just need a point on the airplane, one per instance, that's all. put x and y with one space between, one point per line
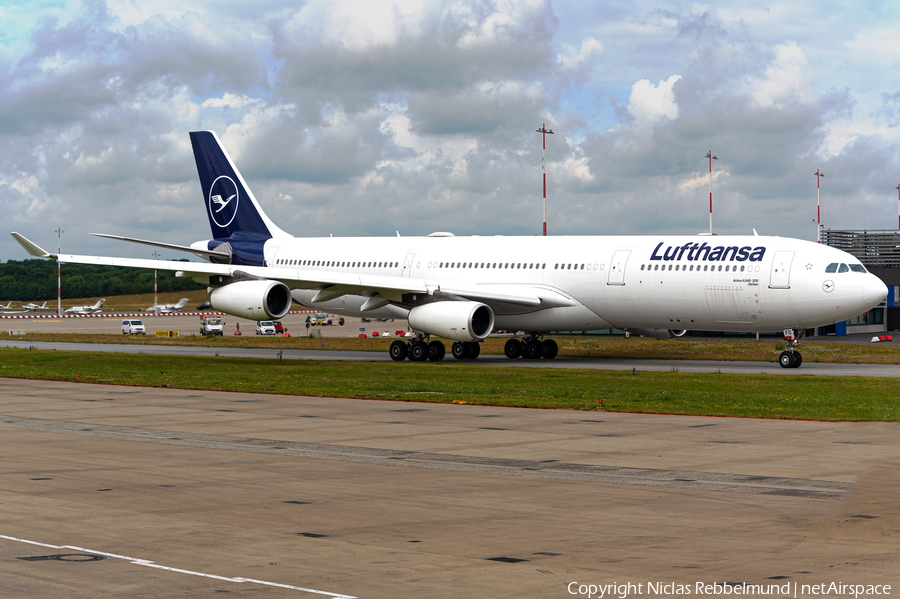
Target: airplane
6 310
167 308
86 309
465 288
31 307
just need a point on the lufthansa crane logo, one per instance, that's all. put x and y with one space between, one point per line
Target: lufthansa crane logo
223 201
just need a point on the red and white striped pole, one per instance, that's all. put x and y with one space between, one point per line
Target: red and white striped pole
59 233
819 176
156 256
544 131
711 158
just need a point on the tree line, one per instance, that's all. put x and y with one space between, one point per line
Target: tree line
35 280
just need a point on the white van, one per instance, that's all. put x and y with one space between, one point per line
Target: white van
133 327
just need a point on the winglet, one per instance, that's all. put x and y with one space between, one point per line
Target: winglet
32 248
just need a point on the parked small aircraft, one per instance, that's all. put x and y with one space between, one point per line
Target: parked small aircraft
167 308
30 307
86 309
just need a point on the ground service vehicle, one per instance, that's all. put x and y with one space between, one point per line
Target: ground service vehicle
323 318
133 327
279 328
211 325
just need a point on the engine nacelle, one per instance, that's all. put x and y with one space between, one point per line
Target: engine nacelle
255 300
460 321
658 333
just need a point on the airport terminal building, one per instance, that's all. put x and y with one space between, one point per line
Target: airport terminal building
879 252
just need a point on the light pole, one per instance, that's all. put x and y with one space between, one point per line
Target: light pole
819 176
711 158
59 233
898 210
156 256
544 131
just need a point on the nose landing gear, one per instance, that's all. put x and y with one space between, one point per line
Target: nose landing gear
790 357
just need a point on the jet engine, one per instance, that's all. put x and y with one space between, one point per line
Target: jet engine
658 333
460 321
255 300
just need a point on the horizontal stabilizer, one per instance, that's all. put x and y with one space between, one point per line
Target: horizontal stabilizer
169 246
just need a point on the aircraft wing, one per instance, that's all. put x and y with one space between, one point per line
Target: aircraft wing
333 284
295 279
329 284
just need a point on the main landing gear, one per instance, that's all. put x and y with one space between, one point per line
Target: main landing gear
418 350
531 347
790 357
465 350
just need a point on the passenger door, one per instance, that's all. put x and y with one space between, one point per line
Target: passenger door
780 277
407 264
617 267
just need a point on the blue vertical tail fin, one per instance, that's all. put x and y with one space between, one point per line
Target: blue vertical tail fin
232 210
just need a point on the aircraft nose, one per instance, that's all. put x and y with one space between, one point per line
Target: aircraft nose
874 290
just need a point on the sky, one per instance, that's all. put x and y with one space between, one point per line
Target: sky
352 118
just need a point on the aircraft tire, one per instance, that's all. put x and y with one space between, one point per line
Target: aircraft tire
436 351
513 349
398 351
551 349
460 350
474 350
418 351
532 350
798 360
786 359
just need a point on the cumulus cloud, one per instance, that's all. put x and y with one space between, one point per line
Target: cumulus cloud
572 58
362 119
651 104
785 81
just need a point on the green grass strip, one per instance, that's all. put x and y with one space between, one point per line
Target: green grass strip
750 396
571 347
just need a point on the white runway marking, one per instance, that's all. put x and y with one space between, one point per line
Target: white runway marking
149 564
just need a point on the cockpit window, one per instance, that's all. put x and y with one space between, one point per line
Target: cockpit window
844 268
857 268
831 267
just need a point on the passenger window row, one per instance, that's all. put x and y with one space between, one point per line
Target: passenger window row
839 268
706 267
526 265
336 264
575 267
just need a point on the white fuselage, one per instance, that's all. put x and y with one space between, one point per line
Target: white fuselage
733 283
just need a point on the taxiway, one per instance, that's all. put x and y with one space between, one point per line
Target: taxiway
130 492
